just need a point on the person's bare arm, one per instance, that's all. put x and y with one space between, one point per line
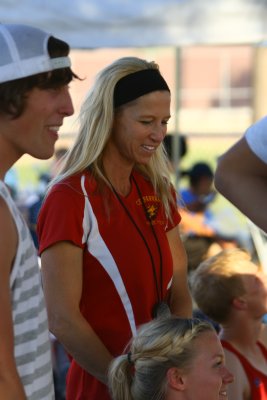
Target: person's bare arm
180 300
11 387
62 280
239 388
241 177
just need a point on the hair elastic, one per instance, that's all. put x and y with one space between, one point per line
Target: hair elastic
129 358
137 84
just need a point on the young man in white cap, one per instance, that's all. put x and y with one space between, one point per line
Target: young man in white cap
34 99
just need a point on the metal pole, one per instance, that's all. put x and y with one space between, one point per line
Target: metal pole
176 143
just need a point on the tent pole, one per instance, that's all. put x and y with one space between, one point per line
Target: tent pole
176 144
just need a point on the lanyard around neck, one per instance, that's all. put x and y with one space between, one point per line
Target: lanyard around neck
158 285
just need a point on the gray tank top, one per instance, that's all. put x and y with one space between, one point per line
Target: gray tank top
31 338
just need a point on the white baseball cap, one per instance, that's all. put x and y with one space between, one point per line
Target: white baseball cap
24 52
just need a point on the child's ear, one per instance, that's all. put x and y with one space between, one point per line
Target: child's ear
175 379
239 303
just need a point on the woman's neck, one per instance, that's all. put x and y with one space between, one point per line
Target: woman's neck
118 175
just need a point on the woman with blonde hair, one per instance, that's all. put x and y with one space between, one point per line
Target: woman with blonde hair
171 359
112 257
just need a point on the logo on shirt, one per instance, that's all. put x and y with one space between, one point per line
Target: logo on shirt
152 211
152 205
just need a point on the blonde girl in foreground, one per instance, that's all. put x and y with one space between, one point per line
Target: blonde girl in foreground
171 359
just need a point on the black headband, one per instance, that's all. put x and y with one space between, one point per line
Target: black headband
137 84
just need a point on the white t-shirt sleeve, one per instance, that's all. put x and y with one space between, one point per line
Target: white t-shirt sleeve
256 137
